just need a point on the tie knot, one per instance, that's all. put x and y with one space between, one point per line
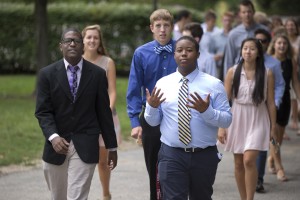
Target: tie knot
184 80
159 49
73 69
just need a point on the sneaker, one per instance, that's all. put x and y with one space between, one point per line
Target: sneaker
260 187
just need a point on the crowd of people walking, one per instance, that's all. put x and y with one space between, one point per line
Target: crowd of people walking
193 89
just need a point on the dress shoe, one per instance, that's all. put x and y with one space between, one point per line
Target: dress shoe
260 187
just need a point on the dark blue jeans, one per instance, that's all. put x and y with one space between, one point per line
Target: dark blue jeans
151 145
261 165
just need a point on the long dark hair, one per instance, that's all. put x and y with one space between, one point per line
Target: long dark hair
258 92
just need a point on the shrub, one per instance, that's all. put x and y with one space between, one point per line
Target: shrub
124 26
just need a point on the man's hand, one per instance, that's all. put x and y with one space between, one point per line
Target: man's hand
136 132
198 103
155 99
112 159
222 135
60 145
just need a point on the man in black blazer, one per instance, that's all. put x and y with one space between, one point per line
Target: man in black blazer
72 108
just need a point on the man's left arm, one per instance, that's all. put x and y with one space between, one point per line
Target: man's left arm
104 114
105 120
218 112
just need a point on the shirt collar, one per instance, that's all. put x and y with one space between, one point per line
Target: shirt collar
225 34
156 43
251 27
78 64
191 76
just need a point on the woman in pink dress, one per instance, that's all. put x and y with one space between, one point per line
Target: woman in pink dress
250 87
95 52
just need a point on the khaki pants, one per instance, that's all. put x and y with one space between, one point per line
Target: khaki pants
71 180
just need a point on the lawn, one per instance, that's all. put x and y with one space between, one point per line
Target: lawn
21 138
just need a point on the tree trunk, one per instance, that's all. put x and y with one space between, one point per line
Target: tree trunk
41 35
154 5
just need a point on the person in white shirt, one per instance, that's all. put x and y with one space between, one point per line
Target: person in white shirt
187 168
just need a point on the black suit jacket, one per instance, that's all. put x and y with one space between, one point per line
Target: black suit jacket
80 121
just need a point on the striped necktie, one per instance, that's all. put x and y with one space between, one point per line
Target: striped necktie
73 80
184 114
159 49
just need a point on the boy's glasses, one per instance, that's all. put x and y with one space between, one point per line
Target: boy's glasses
68 41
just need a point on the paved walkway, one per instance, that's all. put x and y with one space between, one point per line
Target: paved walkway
129 179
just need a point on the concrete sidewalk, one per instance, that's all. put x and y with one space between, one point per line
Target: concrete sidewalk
130 182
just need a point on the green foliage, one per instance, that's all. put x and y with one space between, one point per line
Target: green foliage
21 138
17 44
196 4
280 7
125 26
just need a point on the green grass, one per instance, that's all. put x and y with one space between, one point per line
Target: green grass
21 140
19 86
121 107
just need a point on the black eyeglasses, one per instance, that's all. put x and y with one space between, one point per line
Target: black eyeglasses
70 40
265 41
